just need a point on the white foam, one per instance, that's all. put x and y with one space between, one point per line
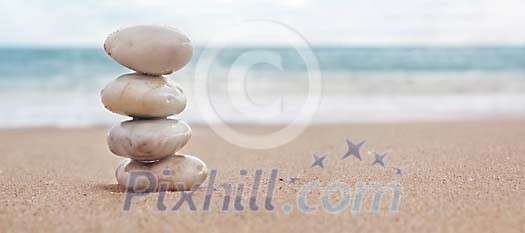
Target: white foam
347 97
79 109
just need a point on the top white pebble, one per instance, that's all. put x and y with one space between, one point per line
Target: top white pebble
148 49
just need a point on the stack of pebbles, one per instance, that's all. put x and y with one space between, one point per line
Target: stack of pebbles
150 140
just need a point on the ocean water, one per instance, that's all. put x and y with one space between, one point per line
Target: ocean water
59 87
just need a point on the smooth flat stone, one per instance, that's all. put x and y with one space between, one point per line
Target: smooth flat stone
150 49
148 140
172 170
139 95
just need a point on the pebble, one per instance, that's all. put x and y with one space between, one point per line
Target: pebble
149 49
138 95
148 140
172 170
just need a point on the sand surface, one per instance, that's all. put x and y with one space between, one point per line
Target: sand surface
457 177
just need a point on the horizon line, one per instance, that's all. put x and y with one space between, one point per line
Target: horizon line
328 46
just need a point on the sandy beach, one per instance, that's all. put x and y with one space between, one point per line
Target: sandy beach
456 177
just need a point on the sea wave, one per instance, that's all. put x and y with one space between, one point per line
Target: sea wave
60 87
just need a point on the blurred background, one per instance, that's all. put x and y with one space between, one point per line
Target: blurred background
382 61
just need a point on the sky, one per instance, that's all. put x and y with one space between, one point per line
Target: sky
324 23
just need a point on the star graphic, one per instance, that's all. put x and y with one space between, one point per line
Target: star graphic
292 180
353 149
398 171
318 160
379 158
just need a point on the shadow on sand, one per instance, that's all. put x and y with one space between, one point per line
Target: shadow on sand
114 188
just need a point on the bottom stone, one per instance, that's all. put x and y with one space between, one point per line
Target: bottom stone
174 173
